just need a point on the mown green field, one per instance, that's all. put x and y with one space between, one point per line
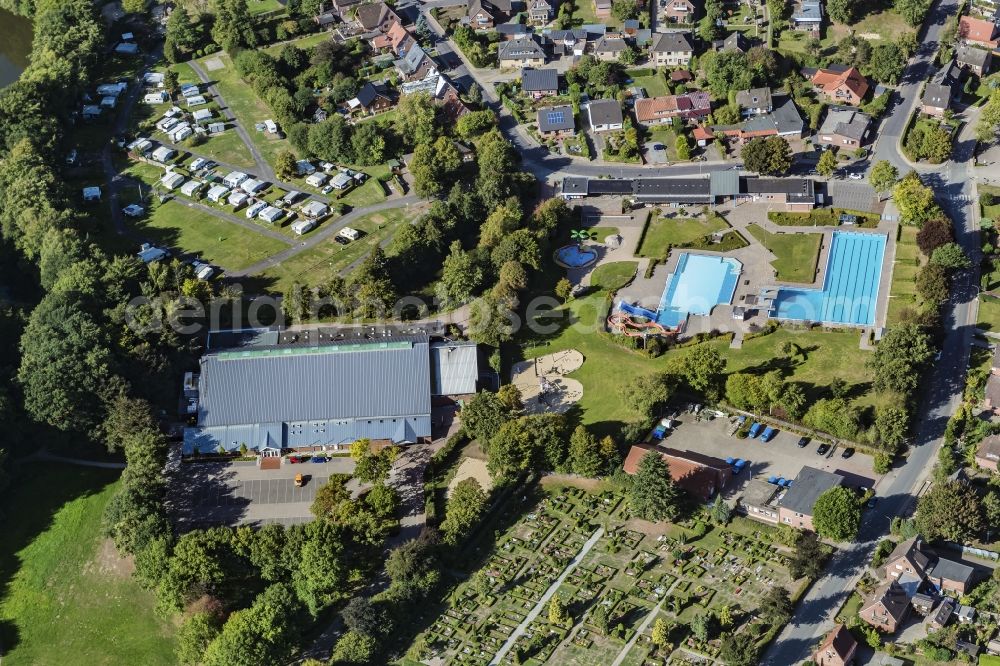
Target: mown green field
66 596
795 254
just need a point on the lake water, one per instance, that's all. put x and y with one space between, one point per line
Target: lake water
15 45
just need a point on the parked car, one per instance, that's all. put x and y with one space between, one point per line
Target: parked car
872 502
848 452
768 434
318 459
822 450
856 176
341 240
294 460
755 430
803 442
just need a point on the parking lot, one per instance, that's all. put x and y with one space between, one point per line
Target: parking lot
238 493
781 456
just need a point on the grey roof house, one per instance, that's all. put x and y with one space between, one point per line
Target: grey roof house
755 101
843 126
521 52
303 396
540 82
796 507
605 115
974 59
556 120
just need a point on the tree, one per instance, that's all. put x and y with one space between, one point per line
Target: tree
466 504
624 10
599 618
564 289
915 200
194 635
475 123
527 443
557 611
354 648
776 606
610 456
950 510
837 514
683 147
725 615
913 11
364 617
891 426
234 28
700 624
771 156
266 632
483 415
373 467
584 456
412 567
702 368
661 633
899 358
648 394
181 39
383 500
950 256
461 275
933 234
739 649
827 163
883 175
720 510
842 11
886 63
416 119
653 495
932 284
808 557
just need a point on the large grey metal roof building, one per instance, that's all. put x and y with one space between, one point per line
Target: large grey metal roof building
316 395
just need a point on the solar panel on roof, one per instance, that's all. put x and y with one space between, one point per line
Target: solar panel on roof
555 117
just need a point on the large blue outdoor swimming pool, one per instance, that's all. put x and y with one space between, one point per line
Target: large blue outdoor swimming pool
850 289
698 284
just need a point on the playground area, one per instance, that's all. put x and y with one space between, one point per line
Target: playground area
544 385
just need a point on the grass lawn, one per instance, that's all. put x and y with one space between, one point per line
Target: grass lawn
584 13
65 591
614 275
795 254
317 265
608 366
663 232
246 106
228 148
991 212
989 313
371 191
262 6
653 81
192 231
306 42
902 291
885 25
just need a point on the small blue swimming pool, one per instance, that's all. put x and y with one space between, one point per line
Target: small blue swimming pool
850 289
574 256
698 284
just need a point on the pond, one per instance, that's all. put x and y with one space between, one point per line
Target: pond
15 46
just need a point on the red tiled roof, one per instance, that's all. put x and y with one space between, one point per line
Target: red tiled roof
702 134
976 30
840 642
830 80
696 473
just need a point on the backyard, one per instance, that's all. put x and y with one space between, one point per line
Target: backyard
989 313
191 231
650 80
67 597
796 254
631 569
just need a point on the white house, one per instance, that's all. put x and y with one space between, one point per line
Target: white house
172 181
217 193
201 115
315 209
191 188
271 214
164 154
237 199
156 97
234 178
303 226
316 180
92 193
252 185
197 100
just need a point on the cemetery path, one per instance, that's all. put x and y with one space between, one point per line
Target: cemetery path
645 623
521 628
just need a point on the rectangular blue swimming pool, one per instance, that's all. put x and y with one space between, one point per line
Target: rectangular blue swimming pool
850 289
698 284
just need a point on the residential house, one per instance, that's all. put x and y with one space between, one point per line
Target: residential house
941 90
992 397
659 110
326 20
671 49
808 16
754 102
605 115
396 40
974 59
760 498
679 11
941 615
837 649
844 127
609 48
630 27
702 476
886 607
735 42
965 614
539 83
784 121
988 453
908 557
371 98
415 65
978 31
541 12
841 84
441 89
796 505
556 121
375 16
951 577
508 31
562 43
922 603
520 53
309 394
485 14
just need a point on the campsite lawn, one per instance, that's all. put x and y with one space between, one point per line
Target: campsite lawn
317 265
191 231
665 232
608 366
65 592
227 148
795 254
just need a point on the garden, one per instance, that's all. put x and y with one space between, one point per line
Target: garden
676 230
628 573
